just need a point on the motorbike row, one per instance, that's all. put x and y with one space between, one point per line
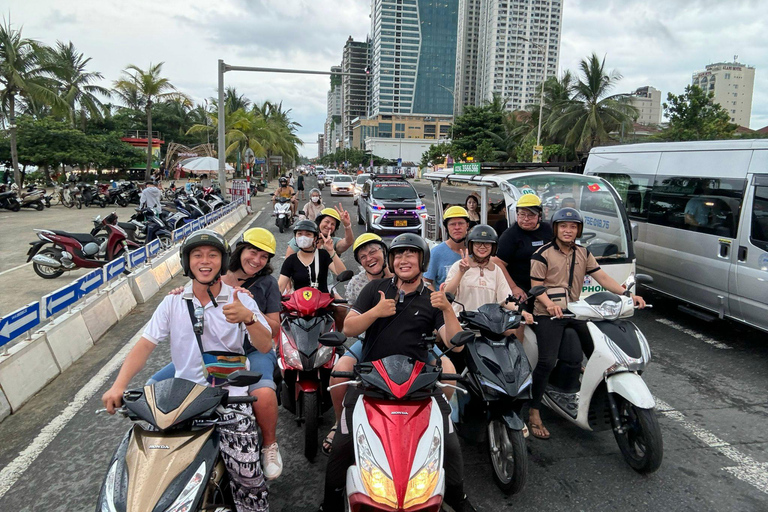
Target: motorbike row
59 251
396 425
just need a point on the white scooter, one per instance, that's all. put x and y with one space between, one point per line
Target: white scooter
612 392
282 213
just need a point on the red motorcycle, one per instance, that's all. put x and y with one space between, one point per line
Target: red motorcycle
70 251
305 364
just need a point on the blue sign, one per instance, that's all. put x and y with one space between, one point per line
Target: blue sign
178 234
196 225
153 247
208 218
61 298
187 229
115 268
259 161
23 319
399 162
90 281
137 257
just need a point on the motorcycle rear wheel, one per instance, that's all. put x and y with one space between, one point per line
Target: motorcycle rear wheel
122 202
311 415
15 207
509 459
39 206
44 271
640 443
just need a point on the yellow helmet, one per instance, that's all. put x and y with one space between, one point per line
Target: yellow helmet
328 212
367 238
261 239
531 201
455 212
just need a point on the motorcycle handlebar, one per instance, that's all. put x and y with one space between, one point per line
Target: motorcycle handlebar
343 375
241 399
450 376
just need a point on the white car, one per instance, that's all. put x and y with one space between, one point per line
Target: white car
342 185
329 175
359 182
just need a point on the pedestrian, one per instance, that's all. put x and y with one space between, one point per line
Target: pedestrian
300 185
315 205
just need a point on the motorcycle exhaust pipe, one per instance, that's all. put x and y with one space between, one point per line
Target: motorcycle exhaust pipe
47 261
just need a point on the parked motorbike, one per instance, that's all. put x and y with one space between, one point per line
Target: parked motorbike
282 213
9 201
398 431
90 195
305 364
136 230
498 377
31 199
70 251
113 195
170 459
213 196
612 393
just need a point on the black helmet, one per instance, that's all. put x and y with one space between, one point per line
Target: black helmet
410 241
200 238
483 233
283 181
306 225
568 215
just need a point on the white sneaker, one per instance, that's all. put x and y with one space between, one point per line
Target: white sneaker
271 461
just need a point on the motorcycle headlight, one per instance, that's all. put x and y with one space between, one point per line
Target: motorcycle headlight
627 363
423 483
188 494
323 355
290 353
108 500
609 309
377 483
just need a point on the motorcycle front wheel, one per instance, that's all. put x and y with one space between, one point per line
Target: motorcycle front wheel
122 202
281 225
15 207
509 459
39 206
79 203
44 271
311 415
640 439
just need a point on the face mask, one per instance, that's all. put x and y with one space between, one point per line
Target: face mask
315 199
304 242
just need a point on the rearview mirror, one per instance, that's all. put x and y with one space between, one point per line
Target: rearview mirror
451 297
301 212
333 339
537 290
462 338
643 278
344 276
242 378
422 196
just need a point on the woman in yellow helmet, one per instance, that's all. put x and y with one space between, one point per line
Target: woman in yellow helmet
328 221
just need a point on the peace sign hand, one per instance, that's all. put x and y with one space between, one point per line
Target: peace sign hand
464 263
327 242
344 215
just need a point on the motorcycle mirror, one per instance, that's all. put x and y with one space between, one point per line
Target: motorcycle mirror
242 378
462 338
643 279
537 290
451 297
301 212
271 193
333 339
344 276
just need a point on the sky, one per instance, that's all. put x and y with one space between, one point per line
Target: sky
657 43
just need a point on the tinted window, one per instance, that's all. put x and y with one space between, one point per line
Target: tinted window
393 190
634 192
759 233
706 205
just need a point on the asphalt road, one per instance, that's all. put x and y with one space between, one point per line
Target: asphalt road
710 380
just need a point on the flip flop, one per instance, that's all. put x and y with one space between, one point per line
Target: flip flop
328 441
539 431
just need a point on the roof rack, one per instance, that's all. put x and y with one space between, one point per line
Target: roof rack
387 176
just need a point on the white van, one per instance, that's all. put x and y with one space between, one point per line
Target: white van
700 219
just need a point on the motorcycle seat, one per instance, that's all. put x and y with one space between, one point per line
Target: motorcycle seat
127 226
5 195
83 238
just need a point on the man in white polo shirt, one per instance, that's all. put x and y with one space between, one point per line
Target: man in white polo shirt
226 317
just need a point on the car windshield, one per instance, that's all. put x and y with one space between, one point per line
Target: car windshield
331 172
394 190
345 179
362 178
604 233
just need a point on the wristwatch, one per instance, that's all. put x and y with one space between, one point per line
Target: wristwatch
253 321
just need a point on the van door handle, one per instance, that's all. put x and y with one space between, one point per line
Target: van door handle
725 249
742 253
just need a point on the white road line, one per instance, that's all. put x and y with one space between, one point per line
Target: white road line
13 471
691 332
748 469
15 268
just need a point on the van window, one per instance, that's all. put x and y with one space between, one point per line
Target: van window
634 192
707 205
759 233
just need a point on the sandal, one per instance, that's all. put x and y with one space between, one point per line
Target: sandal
539 431
328 441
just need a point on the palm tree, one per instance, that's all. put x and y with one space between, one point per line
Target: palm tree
22 76
75 84
149 86
586 119
235 101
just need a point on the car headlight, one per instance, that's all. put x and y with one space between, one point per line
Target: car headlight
290 353
108 501
188 494
377 483
423 483
609 309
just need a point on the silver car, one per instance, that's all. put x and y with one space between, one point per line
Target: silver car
342 185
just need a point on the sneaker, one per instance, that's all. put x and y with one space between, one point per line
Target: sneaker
271 461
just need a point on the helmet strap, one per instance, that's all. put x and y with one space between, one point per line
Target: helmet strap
459 241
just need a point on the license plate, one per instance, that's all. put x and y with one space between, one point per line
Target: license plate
401 223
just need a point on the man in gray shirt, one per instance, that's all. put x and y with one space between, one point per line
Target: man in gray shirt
150 197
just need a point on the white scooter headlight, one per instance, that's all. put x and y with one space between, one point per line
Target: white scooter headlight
609 309
188 494
108 501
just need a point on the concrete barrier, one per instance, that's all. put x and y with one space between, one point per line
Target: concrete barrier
5 407
99 315
143 284
121 297
174 264
27 368
68 338
161 273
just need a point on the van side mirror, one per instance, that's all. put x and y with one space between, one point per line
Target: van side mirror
462 338
643 279
635 231
422 196
333 339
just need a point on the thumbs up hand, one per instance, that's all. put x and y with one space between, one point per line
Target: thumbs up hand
236 312
385 308
439 300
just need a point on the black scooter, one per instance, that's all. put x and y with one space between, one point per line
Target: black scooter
498 377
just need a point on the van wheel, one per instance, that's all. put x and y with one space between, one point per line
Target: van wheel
359 218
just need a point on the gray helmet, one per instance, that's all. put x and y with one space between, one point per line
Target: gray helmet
204 237
306 225
482 233
568 215
410 241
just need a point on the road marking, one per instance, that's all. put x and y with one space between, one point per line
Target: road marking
15 268
13 471
747 469
691 332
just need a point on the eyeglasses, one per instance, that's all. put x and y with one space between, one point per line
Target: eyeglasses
527 215
368 254
199 315
482 244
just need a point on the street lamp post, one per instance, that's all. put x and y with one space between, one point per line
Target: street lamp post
545 51
453 110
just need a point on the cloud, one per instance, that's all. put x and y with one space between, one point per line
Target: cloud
56 17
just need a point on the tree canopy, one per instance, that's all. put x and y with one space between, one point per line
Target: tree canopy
693 115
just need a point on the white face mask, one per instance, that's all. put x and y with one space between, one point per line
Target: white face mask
315 199
304 242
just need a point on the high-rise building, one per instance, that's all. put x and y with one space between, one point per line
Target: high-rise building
514 38
413 56
320 145
332 128
733 84
647 101
354 89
